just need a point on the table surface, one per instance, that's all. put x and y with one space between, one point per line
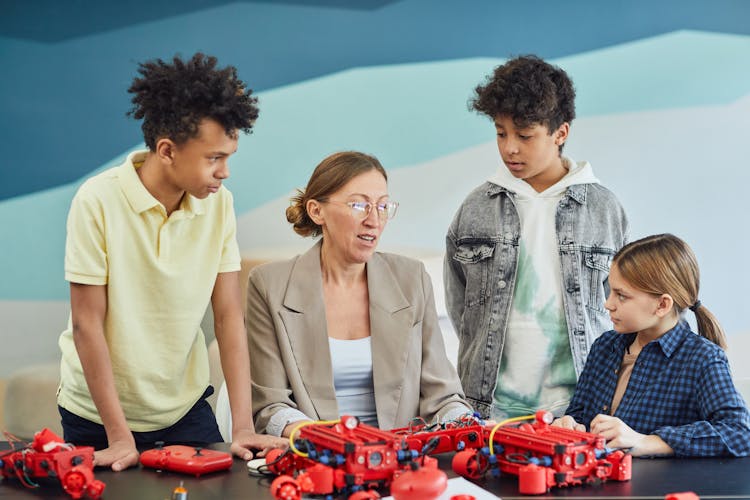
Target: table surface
713 478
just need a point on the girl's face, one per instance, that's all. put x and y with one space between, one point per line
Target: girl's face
632 310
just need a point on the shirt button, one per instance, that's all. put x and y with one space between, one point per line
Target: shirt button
604 408
501 284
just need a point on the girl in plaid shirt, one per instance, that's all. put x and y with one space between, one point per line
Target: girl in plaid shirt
652 385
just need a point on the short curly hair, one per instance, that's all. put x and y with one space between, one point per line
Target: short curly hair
173 98
528 90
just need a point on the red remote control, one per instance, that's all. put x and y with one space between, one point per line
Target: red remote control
186 459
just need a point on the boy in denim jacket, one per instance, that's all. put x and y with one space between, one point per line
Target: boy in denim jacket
528 252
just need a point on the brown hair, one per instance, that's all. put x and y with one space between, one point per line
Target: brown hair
664 264
329 176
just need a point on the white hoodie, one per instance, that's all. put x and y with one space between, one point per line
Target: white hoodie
536 370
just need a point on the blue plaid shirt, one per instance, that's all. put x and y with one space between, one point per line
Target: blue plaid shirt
680 389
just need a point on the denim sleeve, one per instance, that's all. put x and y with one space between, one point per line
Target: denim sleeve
454 283
724 429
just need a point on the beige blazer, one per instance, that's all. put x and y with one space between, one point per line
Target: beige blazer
291 361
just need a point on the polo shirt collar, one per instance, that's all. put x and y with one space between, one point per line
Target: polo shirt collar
139 197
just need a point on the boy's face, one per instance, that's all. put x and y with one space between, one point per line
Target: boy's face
531 153
199 165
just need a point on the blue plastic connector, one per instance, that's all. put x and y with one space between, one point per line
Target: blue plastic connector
544 461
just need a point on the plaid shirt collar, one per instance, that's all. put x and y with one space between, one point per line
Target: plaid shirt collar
669 342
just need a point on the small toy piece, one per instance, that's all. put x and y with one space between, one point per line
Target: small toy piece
180 493
49 456
186 459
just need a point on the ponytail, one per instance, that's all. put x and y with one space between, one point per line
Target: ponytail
708 325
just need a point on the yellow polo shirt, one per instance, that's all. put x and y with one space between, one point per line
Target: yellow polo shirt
160 272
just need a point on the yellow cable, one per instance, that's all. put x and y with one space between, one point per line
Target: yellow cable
301 425
505 422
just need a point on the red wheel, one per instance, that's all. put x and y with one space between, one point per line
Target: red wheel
469 463
286 488
75 480
74 483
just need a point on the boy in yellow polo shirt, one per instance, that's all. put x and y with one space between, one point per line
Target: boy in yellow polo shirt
149 244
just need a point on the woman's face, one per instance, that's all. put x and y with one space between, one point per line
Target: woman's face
351 221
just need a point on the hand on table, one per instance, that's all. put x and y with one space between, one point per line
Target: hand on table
245 440
120 455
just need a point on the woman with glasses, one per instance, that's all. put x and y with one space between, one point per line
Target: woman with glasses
343 329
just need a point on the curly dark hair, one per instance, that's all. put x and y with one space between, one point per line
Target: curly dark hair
172 99
529 90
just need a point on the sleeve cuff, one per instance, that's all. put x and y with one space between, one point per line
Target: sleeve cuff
282 418
455 413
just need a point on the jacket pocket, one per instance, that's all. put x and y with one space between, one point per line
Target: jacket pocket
595 268
475 258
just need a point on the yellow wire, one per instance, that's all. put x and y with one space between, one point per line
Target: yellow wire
297 428
505 422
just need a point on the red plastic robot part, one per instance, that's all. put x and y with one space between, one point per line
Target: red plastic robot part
286 488
470 464
364 495
79 481
421 484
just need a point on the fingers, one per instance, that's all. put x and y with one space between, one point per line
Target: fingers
241 451
117 460
602 423
245 444
568 422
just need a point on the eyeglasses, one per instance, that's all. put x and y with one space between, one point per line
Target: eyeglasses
361 209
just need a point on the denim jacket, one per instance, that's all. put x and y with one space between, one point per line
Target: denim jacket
481 260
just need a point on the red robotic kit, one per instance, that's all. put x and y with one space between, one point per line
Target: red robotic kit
345 457
543 456
186 459
49 456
